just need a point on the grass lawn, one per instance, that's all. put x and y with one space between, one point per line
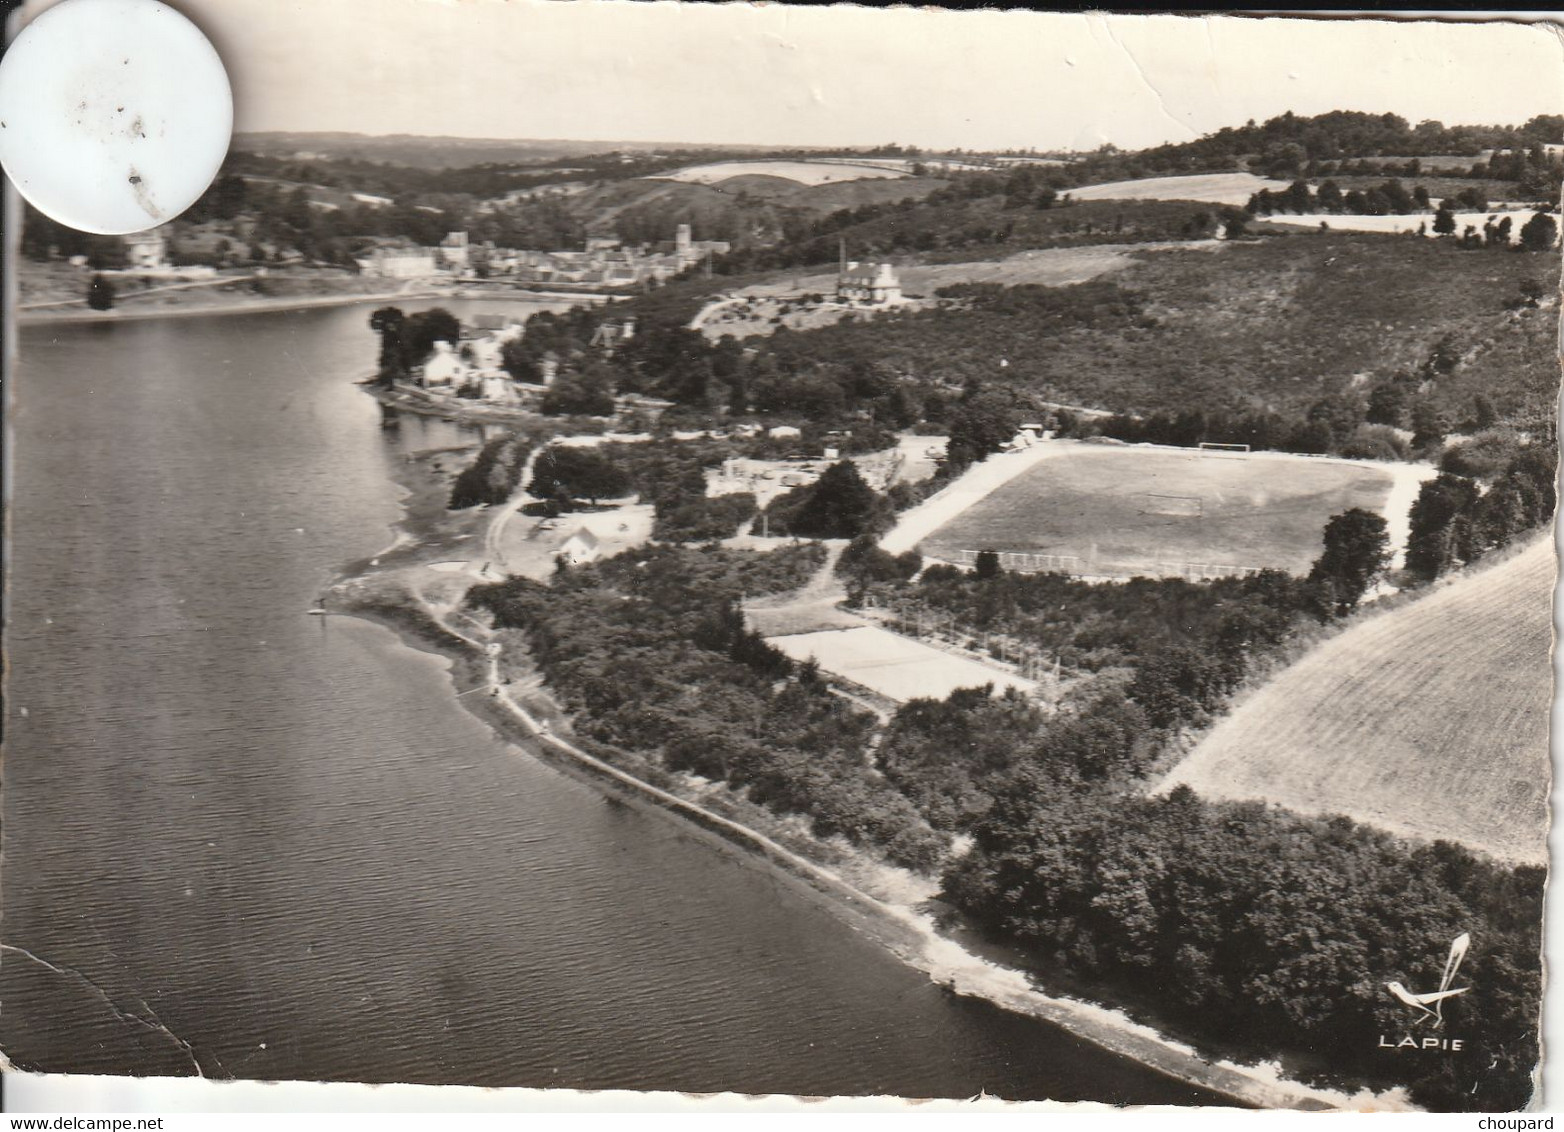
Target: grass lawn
1131 510
892 665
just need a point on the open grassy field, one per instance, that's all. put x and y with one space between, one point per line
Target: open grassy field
804 172
894 666
1208 188
1350 222
1430 720
1157 511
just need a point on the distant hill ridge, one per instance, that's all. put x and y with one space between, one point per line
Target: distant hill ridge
422 150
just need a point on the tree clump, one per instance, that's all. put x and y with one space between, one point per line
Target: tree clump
837 505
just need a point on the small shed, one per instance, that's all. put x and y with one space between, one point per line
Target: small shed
580 547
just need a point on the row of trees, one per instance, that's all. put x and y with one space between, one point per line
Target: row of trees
1390 198
1538 234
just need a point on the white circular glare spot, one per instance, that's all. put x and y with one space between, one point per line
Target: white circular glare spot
114 114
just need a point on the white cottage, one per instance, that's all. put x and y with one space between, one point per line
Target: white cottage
445 366
580 547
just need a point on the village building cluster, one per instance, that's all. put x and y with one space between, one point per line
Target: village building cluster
604 261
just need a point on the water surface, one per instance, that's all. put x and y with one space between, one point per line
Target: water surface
269 845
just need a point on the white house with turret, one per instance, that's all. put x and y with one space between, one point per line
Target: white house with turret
874 283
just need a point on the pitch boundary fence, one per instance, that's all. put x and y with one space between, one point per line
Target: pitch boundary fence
1025 562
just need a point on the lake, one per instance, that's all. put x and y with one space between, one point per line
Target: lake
260 844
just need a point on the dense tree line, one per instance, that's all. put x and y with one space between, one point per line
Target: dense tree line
1185 644
709 381
1538 233
975 217
1254 926
1473 508
1286 144
650 654
1390 198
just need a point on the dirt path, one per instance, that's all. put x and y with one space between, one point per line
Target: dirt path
815 606
712 308
493 536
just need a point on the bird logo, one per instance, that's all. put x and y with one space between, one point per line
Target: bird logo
1432 1004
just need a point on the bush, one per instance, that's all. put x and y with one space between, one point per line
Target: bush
704 519
1482 457
566 472
100 294
837 505
493 474
1374 442
864 563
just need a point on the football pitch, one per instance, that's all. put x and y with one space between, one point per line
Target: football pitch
1118 511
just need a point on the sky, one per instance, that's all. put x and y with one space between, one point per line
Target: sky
778 75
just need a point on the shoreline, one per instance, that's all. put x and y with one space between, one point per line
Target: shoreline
49 315
389 594
258 304
410 399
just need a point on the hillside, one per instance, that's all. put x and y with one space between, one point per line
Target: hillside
1176 330
427 152
950 225
736 210
1430 720
801 172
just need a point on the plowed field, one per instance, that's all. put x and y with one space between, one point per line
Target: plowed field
1429 721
